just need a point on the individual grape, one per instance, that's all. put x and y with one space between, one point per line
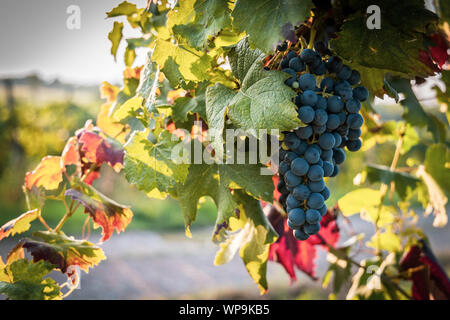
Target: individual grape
319 70
306 114
337 138
297 217
321 103
309 98
315 200
291 140
334 64
333 121
338 155
321 117
307 82
327 168
354 134
323 210
341 85
299 167
353 105
301 192
284 167
289 157
300 150
295 85
292 202
346 94
342 130
291 179
360 93
304 132
312 155
293 77
300 234
355 121
316 186
312 216
327 84
319 129
344 73
342 117
312 229
335 171
355 78
325 193
320 162
335 104
327 141
308 56
321 47
326 155
296 64
354 145
284 63
282 46
315 173
291 55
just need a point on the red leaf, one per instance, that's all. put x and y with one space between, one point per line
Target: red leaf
291 253
276 193
96 149
439 52
428 277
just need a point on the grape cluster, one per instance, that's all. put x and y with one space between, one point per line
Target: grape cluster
329 100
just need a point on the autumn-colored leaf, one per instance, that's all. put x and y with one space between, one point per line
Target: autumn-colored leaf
106 213
48 174
96 149
109 126
63 251
108 92
291 253
439 51
19 224
70 154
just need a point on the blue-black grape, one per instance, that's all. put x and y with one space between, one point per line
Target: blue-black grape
299 167
282 46
312 152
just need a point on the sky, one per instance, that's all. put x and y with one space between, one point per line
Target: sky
34 38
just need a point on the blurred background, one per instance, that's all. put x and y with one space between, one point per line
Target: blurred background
49 86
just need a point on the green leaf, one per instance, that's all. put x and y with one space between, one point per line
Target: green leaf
130 55
27 282
115 36
215 180
193 64
263 100
172 72
190 105
395 47
357 200
150 166
263 20
19 224
387 240
63 251
123 9
252 235
414 112
437 163
405 183
194 21
149 83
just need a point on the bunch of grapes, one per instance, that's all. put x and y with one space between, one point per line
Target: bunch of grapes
329 100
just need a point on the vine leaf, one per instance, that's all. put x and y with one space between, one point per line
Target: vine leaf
193 64
196 20
48 174
291 253
19 224
115 36
63 251
263 21
373 56
23 280
215 180
263 100
251 234
105 212
123 9
150 166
